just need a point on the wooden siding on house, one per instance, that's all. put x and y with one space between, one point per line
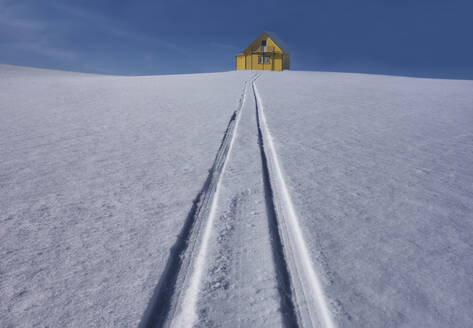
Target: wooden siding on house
278 59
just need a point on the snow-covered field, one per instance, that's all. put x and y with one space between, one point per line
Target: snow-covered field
235 199
381 171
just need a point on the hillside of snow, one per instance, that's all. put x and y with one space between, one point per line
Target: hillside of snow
381 171
235 199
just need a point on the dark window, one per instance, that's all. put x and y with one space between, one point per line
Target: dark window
263 59
263 43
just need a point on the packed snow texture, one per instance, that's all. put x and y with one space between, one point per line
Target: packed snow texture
381 173
98 174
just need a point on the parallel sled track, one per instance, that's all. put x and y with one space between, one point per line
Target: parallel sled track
306 290
302 302
163 305
281 267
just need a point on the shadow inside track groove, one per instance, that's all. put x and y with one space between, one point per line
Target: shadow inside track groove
282 272
156 313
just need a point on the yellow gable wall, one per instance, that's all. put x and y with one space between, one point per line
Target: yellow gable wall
256 45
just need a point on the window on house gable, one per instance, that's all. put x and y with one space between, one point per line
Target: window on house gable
263 43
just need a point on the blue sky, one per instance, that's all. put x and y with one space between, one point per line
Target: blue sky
406 37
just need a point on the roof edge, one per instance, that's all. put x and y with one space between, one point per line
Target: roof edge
278 41
273 36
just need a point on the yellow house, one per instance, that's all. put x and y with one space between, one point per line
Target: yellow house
267 52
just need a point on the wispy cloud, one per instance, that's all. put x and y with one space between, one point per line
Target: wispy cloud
224 46
14 24
46 29
117 29
21 31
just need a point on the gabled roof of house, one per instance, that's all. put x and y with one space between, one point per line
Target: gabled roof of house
278 41
273 37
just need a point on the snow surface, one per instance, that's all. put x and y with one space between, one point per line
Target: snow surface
98 174
381 173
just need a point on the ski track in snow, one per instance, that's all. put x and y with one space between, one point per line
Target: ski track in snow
188 314
293 239
163 304
302 300
184 311
280 262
